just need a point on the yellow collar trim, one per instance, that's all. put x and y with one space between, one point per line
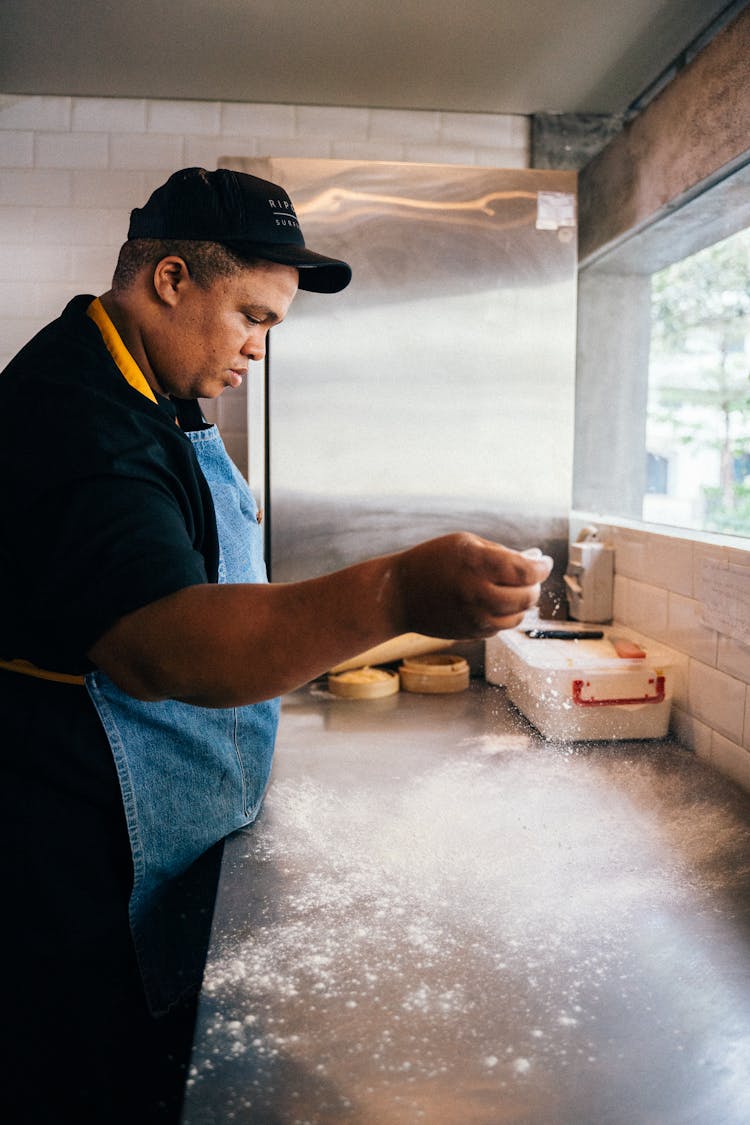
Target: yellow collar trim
26 668
120 354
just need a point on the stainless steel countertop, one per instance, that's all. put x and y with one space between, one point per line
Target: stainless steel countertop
441 918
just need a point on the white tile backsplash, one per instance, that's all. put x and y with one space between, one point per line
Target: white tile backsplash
15 331
647 609
46 298
112 115
701 553
717 700
16 297
630 554
330 121
446 154
71 150
501 158
405 126
239 119
17 149
138 150
686 630
733 658
93 267
16 226
691 732
108 188
292 146
183 117
620 597
29 186
486 130
210 152
36 263
366 150
731 759
19 111
81 226
669 563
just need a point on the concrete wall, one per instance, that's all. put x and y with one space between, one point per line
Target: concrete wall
613 338
696 126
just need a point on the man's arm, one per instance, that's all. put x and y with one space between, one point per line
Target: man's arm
227 645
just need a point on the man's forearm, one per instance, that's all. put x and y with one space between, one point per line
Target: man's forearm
227 645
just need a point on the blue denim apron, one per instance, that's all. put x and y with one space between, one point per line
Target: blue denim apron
189 775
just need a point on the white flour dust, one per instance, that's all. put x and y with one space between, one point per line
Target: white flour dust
508 881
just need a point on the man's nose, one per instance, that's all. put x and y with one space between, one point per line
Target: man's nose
255 345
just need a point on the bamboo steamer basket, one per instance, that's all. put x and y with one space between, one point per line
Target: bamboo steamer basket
434 673
363 683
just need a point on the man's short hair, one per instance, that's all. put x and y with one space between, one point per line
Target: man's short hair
206 261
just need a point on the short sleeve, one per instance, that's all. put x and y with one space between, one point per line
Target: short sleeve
106 548
105 511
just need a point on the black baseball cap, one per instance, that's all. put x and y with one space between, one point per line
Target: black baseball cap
252 217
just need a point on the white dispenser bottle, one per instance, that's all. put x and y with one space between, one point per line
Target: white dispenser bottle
589 578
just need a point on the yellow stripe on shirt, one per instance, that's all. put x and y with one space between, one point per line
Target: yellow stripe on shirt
120 354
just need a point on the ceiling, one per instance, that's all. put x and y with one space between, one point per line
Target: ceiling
497 56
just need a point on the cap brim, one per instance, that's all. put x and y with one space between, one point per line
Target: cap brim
317 273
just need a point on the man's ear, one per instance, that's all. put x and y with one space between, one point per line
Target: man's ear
171 276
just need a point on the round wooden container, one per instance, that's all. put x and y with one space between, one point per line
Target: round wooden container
363 683
435 672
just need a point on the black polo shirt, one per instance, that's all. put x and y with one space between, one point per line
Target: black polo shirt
104 509
104 506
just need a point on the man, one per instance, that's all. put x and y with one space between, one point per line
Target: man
144 652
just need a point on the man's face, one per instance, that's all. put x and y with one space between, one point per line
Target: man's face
207 337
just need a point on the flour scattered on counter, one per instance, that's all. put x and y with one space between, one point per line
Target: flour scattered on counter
405 927
490 745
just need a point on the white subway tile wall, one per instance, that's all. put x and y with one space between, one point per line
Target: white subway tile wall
686 631
730 759
659 592
717 699
72 168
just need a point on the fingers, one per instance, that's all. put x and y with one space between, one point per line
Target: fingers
516 568
505 606
515 588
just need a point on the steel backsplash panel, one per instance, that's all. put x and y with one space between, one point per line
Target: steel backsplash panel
436 392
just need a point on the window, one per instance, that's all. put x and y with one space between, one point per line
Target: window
663 373
698 419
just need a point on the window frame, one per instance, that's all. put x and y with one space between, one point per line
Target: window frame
613 340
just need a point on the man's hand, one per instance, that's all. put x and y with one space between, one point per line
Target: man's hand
464 587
